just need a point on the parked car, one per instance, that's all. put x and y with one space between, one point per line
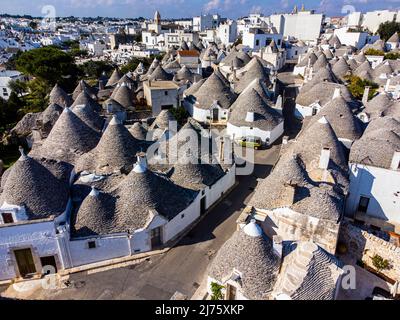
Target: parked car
250 142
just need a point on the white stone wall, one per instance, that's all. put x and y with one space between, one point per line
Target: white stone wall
273 135
182 220
107 248
382 186
356 39
39 237
214 193
303 26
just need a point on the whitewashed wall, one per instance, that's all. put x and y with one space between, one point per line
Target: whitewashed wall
107 248
214 193
382 186
264 135
40 237
182 220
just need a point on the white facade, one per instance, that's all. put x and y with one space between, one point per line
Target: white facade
268 137
96 48
206 115
5 77
380 186
206 21
153 40
161 95
256 41
355 39
372 20
176 38
307 111
227 32
39 237
304 26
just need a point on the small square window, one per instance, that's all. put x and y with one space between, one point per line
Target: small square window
7 217
92 244
183 216
166 93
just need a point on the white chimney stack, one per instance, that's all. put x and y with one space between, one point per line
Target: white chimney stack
279 102
324 158
366 94
395 161
336 93
387 84
277 245
250 117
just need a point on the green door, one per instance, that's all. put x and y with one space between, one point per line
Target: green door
25 262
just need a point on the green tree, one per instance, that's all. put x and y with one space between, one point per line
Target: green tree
216 290
33 25
392 56
180 115
374 52
50 65
387 29
357 87
37 100
94 69
18 86
380 263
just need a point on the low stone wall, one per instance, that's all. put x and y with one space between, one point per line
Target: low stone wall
362 245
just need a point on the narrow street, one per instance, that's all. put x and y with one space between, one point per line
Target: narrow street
181 269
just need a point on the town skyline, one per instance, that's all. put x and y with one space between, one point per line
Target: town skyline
171 9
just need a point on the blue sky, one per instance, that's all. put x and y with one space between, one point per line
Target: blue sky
184 8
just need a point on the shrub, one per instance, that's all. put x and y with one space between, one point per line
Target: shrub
380 263
357 86
216 290
374 52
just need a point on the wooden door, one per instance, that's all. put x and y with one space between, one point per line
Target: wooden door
215 114
25 262
156 240
231 292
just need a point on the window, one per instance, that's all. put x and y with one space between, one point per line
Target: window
257 42
363 204
92 244
279 42
7 217
166 93
182 216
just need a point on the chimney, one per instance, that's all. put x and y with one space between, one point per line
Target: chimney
250 117
397 92
387 84
277 244
395 161
279 102
285 140
336 93
221 150
324 158
287 198
365 96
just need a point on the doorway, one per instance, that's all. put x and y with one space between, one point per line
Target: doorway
25 263
363 204
48 261
215 115
7 217
156 238
231 292
203 205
